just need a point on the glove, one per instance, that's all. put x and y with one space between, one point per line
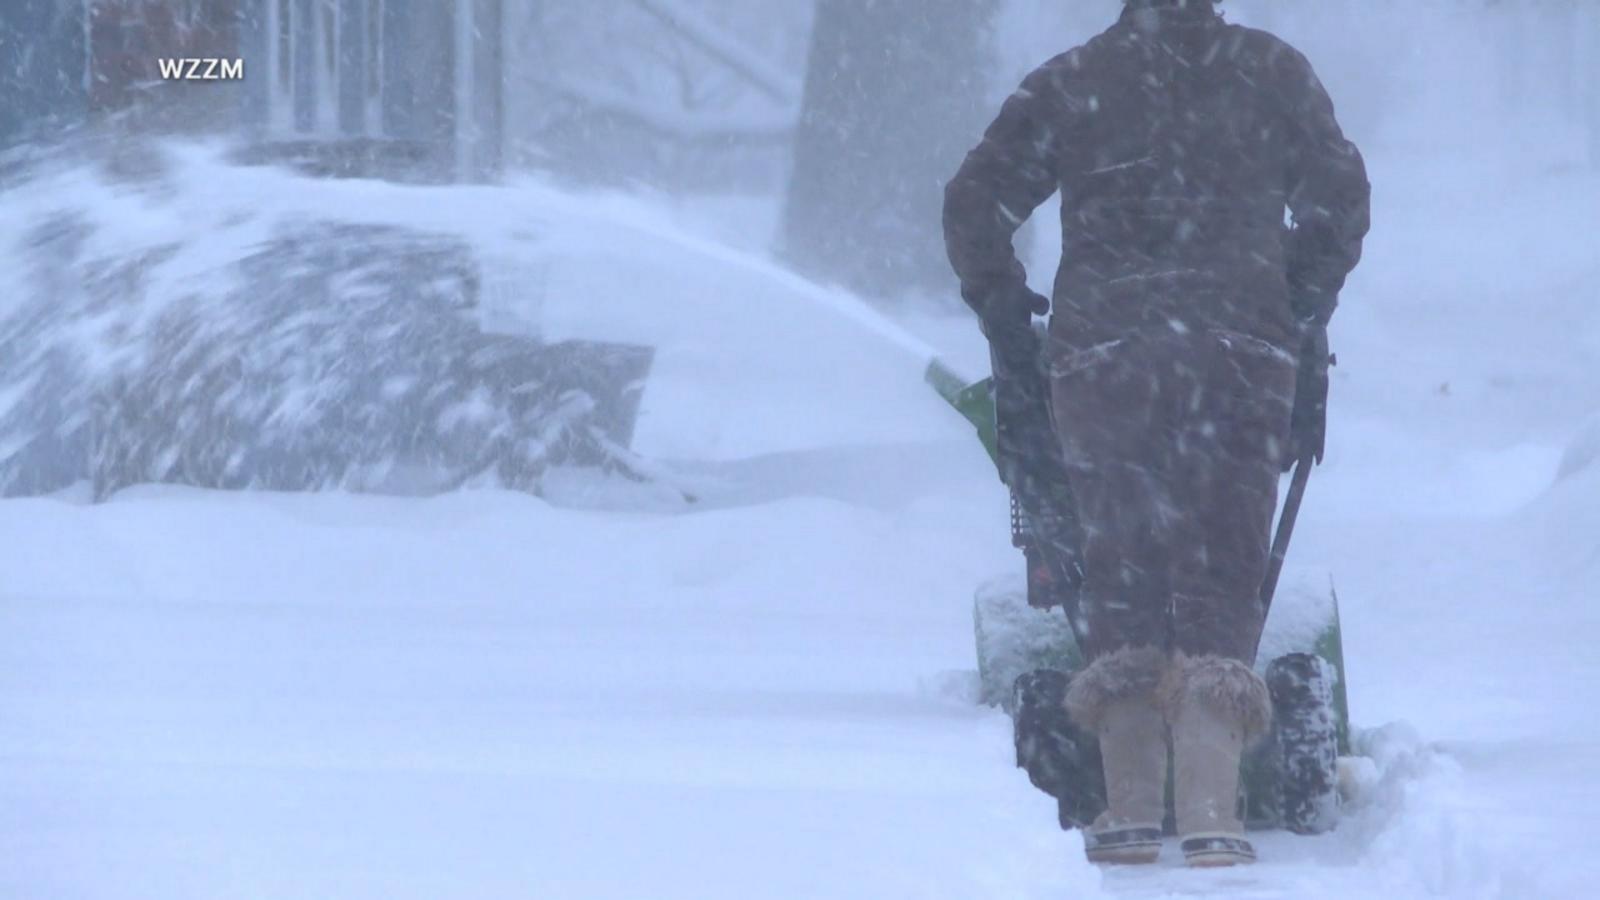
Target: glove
1023 435
1308 424
1014 351
1010 311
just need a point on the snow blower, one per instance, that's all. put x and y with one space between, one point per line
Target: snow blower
1029 627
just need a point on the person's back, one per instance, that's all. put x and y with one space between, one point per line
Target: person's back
1178 143
1177 140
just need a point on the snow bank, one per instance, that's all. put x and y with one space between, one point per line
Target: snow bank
1563 526
338 357
1422 827
1583 453
170 317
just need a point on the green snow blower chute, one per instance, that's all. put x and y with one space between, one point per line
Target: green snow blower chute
1029 625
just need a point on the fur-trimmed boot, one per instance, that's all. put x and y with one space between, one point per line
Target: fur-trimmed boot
1115 698
1215 708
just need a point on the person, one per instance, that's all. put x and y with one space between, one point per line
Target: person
1179 142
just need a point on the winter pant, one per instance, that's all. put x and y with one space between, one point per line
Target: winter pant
1173 446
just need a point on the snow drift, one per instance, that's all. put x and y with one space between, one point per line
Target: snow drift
336 356
316 354
168 317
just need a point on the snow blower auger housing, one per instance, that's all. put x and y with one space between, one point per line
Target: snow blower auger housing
1027 626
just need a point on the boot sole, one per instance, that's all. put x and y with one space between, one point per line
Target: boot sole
1217 851
1137 846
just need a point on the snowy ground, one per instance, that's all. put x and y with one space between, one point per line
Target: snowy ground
487 695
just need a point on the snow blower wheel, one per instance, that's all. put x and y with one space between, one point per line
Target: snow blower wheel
1304 742
1060 758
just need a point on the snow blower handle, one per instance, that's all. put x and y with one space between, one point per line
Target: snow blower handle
1308 437
1280 540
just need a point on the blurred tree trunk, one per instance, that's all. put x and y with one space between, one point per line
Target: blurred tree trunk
1511 41
42 79
1561 21
896 92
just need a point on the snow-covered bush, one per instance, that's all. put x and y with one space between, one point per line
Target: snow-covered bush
169 291
329 355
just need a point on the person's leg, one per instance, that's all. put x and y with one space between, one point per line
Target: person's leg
1215 704
1226 481
1103 408
1215 707
1115 699
1117 445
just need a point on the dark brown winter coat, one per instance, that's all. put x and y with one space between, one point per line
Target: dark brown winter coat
1178 142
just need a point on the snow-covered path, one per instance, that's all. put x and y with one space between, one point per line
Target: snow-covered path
481 696
274 696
